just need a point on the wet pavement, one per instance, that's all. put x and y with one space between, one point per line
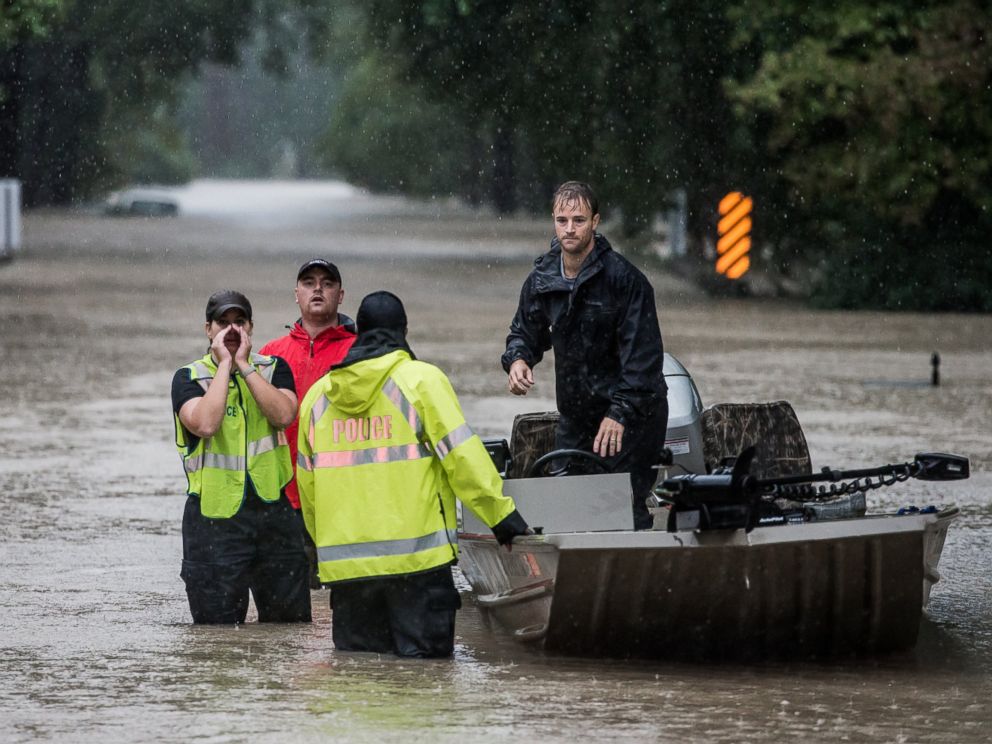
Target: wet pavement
95 641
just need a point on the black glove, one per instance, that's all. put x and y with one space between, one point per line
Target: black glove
511 526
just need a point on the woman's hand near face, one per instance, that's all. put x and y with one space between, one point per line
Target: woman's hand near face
241 356
219 345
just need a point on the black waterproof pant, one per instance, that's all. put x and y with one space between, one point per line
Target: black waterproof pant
640 451
310 550
412 615
259 549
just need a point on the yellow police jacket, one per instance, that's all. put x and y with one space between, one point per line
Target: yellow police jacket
383 451
245 445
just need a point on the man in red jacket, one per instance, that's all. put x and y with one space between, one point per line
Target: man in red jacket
319 338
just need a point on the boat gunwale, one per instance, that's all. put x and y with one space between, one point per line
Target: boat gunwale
833 529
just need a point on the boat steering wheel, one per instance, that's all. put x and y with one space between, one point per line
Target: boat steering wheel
540 464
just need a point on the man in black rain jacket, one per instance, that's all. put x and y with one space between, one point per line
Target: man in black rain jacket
597 312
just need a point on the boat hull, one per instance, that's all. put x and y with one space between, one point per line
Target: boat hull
852 586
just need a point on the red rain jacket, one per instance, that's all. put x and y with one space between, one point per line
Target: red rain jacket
309 360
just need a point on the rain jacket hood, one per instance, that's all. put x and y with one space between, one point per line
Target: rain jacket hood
354 386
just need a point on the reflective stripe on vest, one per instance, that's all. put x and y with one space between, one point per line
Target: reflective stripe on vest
384 548
203 375
234 462
348 458
216 461
455 437
267 444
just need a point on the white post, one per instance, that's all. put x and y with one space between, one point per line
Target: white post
10 217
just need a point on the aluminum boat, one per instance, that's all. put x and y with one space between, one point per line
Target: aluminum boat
724 573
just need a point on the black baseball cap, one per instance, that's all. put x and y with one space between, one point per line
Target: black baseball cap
320 263
225 299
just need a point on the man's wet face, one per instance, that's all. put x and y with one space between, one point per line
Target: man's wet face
575 225
318 294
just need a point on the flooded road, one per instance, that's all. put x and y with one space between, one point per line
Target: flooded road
95 640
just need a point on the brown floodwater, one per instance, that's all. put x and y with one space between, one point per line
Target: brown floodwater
95 639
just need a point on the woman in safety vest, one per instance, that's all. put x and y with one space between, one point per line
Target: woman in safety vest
239 531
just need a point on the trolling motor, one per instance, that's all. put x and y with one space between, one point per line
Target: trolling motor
731 498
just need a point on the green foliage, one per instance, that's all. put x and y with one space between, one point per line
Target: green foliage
895 274
100 65
863 130
26 19
150 149
880 108
860 128
384 135
621 93
875 124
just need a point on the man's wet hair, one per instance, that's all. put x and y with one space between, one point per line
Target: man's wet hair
571 191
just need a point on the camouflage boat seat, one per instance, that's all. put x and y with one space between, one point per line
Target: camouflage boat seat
773 428
727 428
532 436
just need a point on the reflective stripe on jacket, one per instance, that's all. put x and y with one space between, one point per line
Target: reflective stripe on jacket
245 443
383 451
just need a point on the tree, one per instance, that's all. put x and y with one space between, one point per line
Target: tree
875 125
624 94
101 68
259 119
383 134
21 20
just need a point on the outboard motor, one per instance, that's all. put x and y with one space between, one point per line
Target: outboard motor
684 437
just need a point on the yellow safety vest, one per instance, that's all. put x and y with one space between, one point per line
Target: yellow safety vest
383 450
246 444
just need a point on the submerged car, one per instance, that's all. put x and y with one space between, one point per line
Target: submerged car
144 202
747 557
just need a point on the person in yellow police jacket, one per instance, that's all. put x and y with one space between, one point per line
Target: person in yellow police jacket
383 452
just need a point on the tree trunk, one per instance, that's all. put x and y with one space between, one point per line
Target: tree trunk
504 187
473 176
10 99
59 155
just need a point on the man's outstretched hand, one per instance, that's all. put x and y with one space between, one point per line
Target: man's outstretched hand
521 377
